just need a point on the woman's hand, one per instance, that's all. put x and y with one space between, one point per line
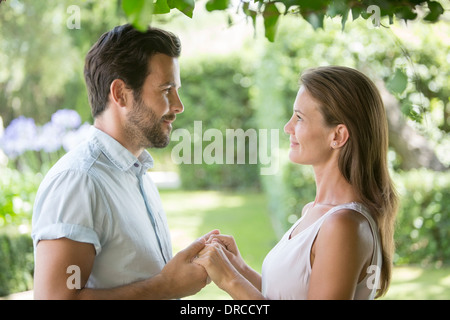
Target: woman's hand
230 249
216 263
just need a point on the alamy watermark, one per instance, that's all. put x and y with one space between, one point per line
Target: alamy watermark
74 280
210 147
74 20
373 281
374 21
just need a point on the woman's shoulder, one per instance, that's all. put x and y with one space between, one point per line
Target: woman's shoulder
346 220
348 226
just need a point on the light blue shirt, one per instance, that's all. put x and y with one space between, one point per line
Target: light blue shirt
100 193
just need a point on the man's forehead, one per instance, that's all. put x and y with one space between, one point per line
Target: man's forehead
165 69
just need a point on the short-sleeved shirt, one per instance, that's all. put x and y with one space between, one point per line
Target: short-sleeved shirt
100 193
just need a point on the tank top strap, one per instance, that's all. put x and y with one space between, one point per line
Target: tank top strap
362 209
355 206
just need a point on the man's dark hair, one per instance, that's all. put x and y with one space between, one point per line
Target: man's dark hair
124 53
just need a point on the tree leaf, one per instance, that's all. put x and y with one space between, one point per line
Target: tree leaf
217 5
139 13
397 84
271 15
435 11
161 7
316 20
315 5
132 8
356 12
185 6
250 13
406 13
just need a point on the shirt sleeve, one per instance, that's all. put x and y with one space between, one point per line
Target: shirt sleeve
65 207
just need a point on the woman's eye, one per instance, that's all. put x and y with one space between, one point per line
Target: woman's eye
299 118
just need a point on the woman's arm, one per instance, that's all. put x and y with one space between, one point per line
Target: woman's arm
339 256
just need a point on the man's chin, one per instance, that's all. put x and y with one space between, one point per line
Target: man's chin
159 143
160 146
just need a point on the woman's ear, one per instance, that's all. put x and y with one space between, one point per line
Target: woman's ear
341 136
120 94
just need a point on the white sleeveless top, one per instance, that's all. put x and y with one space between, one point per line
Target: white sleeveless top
287 268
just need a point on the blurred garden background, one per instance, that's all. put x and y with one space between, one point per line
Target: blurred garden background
232 77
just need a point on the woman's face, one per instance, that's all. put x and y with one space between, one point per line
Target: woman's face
310 138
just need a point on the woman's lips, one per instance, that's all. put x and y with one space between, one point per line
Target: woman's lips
293 143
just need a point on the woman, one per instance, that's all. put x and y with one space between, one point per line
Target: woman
342 246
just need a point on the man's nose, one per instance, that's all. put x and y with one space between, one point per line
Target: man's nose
177 106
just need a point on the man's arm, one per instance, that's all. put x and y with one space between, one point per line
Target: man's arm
179 278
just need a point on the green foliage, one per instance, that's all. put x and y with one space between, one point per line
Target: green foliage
17 193
185 6
216 92
139 12
41 59
271 15
212 5
423 222
16 263
398 82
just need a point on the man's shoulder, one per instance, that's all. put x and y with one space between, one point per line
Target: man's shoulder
78 161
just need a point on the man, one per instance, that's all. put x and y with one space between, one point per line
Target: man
99 229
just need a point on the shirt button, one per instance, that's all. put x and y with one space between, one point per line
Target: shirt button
136 165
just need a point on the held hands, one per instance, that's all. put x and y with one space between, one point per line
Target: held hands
180 276
218 254
225 266
221 259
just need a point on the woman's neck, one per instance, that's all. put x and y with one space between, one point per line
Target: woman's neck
331 186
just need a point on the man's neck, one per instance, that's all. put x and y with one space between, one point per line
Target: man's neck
117 133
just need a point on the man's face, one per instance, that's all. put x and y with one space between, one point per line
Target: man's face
149 122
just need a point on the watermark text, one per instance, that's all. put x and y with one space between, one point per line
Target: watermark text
237 147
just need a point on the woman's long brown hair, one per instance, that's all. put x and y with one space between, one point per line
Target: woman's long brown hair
348 97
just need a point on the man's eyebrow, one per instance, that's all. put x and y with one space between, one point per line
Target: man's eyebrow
168 84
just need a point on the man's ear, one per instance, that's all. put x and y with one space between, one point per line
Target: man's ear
341 136
120 94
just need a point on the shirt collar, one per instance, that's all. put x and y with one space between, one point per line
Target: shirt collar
118 154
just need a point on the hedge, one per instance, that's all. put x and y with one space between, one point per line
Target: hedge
16 263
423 221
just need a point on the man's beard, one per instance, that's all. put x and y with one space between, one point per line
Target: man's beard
145 128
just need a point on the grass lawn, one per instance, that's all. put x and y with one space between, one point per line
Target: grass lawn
244 215
415 283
